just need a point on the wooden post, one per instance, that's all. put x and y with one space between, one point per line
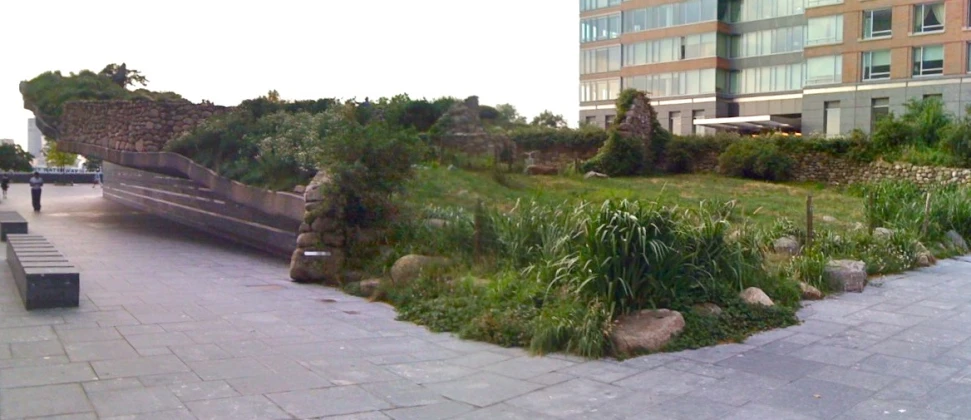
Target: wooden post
927 216
809 220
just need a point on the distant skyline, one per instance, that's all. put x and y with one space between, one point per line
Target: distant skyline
504 51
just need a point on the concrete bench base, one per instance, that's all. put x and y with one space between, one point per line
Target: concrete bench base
44 277
11 222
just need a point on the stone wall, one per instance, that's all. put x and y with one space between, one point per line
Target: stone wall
136 126
834 170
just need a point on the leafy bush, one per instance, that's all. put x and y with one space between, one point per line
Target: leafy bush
958 141
892 133
755 159
681 151
928 119
620 156
544 138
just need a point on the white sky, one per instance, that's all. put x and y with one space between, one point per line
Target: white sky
523 52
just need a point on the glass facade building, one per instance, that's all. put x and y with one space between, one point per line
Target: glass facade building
824 66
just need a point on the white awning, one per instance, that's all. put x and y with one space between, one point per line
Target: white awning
751 123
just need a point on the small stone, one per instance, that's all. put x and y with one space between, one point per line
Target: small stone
300 189
882 233
809 292
307 240
707 309
829 219
786 245
410 267
593 174
369 287
846 275
755 296
324 225
305 227
647 330
309 269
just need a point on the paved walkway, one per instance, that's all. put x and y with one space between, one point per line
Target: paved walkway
173 325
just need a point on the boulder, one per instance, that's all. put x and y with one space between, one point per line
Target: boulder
305 227
410 267
755 296
315 190
707 309
323 225
647 330
312 269
436 223
594 174
307 240
300 189
846 275
369 287
809 292
957 241
882 233
924 256
786 245
541 170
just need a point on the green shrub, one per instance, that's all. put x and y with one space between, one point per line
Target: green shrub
958 140
756 159
928 119
620 156
529 138
681 152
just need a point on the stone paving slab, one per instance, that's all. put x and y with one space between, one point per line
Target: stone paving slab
176 325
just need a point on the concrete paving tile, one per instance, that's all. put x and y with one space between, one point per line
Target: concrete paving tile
906 368
100 350
665 381
34 349
195 391
528 367
576 399
340 400
134 401
59 399
26 334
254 407
428 372
275 383
143 366
210 370
482 389
182 414
46 375
831 355
403 393
772 365
881 409
853 376
443 410
816 398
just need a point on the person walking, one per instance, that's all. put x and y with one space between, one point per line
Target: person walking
36 183
5 183
99 179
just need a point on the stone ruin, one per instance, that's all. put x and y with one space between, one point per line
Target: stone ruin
461 130
319 255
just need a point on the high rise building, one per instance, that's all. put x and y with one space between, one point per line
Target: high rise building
809 66
35 143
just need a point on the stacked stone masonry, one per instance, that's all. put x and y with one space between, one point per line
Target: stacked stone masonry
134 126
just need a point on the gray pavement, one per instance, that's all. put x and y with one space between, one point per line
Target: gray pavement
175 325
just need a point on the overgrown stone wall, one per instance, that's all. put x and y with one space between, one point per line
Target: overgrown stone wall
834 170
136 126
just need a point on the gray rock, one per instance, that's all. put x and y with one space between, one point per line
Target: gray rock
593 174
786 245
312 269
829 219
846 275
324 225
957 241
300 189
647 330
410 267
307 240
305 227
882 233
755 296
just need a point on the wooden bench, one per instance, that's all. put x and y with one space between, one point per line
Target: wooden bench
11 222
45 278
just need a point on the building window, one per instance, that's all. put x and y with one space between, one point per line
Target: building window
589 120
876 65
969 54
695 116
597 4
824 30
934 97
877 23
599 90
831 118
824 70
766 42
600 60
600 28
673 14
734 11
609 119
670 49
767 79
928 17
929 60
879 108
690 82
674 123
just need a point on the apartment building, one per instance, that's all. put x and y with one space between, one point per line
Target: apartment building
806 66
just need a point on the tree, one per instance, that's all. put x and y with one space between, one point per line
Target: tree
57 158
273 96
14 158
509 115
549 119
92 163
122 76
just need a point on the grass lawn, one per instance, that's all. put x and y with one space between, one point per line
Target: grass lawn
763 202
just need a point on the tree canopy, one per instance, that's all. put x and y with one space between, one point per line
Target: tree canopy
14 158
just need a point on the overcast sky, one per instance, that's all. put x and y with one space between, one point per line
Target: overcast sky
523 52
